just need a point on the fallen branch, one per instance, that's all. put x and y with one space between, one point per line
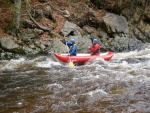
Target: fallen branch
28 23
38 25
48 3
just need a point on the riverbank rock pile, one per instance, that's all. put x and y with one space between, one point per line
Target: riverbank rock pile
118 27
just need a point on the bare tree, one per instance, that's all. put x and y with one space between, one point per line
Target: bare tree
132 6
16 18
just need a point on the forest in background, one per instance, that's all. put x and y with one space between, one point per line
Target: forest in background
12 12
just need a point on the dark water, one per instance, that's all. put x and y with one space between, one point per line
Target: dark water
41 85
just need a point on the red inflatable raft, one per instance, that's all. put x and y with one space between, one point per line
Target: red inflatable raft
81 59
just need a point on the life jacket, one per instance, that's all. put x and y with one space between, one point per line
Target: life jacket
95 50
70 49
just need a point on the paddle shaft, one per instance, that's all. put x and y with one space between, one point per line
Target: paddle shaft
70 62
68 51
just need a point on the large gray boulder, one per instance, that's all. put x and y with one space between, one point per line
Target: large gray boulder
71 30
30 34
9 44
57 46
115 23
120 40
68 27
122 44
82 43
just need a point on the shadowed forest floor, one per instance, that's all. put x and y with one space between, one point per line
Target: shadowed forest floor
76 8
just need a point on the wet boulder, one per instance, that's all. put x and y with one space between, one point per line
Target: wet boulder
30 34
118 31
68 28
8 44
31 49
123 44
82 41
115 24
57 46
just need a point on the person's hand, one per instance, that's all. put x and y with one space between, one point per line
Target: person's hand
89 47
62 39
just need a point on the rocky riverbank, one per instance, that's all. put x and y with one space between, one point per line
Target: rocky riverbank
116 31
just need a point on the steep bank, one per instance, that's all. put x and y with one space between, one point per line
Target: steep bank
119 26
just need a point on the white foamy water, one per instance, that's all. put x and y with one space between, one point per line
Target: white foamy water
47 63
133 54
11 64
41 84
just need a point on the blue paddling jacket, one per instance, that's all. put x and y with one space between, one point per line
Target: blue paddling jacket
72 46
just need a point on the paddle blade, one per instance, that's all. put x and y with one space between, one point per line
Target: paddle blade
71 64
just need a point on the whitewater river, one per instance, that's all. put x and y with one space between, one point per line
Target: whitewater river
41 85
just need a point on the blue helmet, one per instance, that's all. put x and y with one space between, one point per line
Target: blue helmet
95 40
72 40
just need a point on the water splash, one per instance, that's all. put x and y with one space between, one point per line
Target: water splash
40 84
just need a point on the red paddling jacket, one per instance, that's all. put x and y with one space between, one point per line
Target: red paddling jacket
95 49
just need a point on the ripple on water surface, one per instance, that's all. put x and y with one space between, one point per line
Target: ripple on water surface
43 85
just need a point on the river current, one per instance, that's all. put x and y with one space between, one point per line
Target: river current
41 85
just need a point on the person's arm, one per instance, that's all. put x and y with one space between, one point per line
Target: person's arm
67 43
93 49
73 50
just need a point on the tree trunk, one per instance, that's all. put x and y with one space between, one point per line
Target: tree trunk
132 6
16 18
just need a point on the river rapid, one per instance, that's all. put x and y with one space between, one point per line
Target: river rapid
40 85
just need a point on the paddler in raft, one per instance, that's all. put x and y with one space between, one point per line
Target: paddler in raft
72 47
95 49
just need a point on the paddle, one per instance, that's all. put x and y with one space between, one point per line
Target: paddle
70 62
